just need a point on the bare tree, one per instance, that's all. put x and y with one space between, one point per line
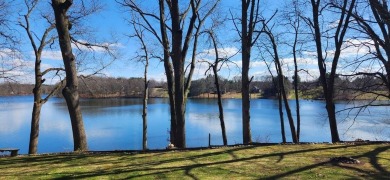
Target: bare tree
248 35
38 45
280 99
139 34
294 22
7 34
9 53
215 66
280 77
327 82
175 50
372 20
47 38
70 91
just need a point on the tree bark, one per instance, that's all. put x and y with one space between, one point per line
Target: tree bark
168 72
175 50
287 107
328 82
280 107
38 74
280 103
34 133
321 65
282 90
246 45
178 69
145 108
297 109
216 82
70 92
220 107
36 113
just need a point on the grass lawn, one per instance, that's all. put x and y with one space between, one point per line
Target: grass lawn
246 162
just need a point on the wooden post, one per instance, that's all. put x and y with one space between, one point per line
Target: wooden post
209 140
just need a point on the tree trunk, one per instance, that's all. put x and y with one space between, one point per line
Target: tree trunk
330 107
328 83
145 106
284 95
70 92
216 82
34 133
288 110
282 90
36 113
246 44
387 77
178 69
280 105
220 107
296 80
297 105
168 72
145 118
180 140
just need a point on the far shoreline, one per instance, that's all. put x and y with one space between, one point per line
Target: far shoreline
228 95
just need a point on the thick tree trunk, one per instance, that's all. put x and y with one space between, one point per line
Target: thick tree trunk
246 44
330 107
34 133
171 96
36 113
220 107
246 130
168 72
327 86
178 69
70 92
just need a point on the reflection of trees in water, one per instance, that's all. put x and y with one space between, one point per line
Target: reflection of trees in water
386 121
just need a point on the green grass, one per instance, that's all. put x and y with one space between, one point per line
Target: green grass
249 162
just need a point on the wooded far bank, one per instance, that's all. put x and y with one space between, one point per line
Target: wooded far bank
107 87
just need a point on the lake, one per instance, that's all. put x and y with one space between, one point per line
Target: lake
116 124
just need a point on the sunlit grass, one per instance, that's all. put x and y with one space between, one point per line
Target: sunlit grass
247 162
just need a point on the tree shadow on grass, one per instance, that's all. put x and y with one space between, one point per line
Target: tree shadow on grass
371 155
154 169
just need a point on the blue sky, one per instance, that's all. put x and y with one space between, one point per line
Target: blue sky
109 25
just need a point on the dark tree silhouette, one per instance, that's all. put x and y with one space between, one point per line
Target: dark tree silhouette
70 92
327 83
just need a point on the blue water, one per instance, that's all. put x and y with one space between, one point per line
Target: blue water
116 124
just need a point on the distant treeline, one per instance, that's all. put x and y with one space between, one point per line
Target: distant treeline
102 87
345 87
11 88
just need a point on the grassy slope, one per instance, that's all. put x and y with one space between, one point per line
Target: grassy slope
251 162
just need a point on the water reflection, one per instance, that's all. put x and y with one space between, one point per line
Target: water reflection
116 123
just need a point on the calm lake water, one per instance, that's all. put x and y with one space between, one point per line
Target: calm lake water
115 124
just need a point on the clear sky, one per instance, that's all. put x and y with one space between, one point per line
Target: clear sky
110 25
